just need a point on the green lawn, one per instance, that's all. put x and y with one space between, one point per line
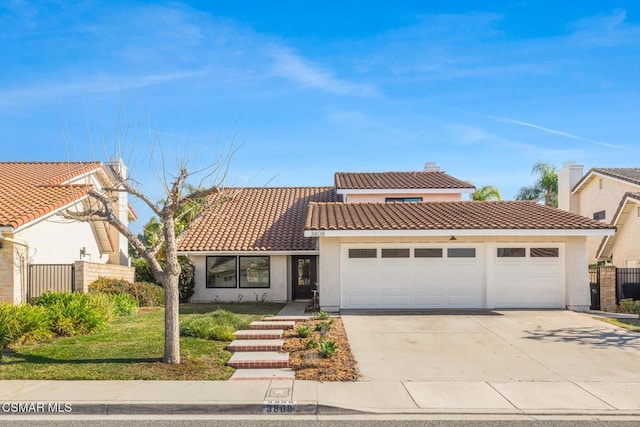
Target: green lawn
130 348
630 324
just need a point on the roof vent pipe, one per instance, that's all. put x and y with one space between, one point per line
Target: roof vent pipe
431 167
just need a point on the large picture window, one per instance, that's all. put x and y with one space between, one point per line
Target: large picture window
221 272
254 271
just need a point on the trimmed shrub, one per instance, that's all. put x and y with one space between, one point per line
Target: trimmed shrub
186 283
218 325
628 305
146 294
73 313
124 305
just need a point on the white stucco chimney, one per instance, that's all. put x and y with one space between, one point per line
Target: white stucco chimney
431 167
568 177
119 170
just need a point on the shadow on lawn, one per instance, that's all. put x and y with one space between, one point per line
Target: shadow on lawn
31 358
594 337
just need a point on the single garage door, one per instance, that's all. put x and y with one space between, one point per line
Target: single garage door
529 276
413 276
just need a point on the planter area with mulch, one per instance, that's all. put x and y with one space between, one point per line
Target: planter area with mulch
307 362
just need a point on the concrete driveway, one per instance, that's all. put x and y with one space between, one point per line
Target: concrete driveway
492 346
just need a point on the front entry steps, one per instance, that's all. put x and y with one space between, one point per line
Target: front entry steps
279 324
256 352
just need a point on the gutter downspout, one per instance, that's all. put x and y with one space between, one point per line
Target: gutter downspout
23 268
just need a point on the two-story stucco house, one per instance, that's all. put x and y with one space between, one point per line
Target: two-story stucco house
611 195
397 240
34 231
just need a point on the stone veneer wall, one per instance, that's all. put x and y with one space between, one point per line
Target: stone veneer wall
608 288
87 272
7 272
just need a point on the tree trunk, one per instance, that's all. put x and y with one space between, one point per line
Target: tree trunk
171 319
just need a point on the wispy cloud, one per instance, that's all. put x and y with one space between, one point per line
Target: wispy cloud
290 65
100 84
557 132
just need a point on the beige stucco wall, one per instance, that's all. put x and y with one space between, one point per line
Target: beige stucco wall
278 274
576 272
593 199
56 240
627 245
426 197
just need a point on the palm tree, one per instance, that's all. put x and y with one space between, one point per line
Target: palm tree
545 188
486 192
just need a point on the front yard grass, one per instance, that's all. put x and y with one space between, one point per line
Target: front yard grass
630 324
130 348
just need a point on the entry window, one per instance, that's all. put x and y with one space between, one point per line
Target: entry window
428 253
221 272
363 253
461 252
395 253
402 199
599 215
254 271
544 252
511 252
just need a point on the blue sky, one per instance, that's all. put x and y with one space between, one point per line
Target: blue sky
305 89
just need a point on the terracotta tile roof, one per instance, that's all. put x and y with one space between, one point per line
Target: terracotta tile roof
397 180
631 175
256 219
443 216
29 190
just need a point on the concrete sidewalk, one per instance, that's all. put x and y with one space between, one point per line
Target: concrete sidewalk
316 398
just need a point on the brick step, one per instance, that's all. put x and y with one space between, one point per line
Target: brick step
259 334
263 374
287 318
256 345
259 360
272 325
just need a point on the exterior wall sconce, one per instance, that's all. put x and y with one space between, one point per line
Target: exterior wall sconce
452 238
83 252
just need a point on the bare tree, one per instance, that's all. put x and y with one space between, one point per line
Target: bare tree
103 205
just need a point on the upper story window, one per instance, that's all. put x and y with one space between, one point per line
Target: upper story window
402 199
600 215
601 183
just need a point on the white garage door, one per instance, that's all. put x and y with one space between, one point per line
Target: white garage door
529 276
413 276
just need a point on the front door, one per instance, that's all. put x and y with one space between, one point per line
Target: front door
305 276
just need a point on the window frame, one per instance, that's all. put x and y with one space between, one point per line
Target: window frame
415 253
403 199
600 215
393 253
554 250
239 275
511 252
235 270
449 252
352 254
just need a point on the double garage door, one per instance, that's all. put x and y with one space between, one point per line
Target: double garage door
512 275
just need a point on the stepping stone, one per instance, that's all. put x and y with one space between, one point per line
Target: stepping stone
263 374
256 345
272 325
259 360
259 334
287 318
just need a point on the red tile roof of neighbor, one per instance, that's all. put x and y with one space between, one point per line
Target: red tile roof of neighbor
29 190
255 219
524 215
397 180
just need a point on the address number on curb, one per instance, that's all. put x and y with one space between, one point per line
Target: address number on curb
274 407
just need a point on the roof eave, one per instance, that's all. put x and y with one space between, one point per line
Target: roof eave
404 190
461 232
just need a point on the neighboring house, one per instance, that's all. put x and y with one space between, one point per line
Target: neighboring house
390 240
33 197
611 195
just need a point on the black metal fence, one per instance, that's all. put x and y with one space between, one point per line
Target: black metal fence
50 277
627 283
594 285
